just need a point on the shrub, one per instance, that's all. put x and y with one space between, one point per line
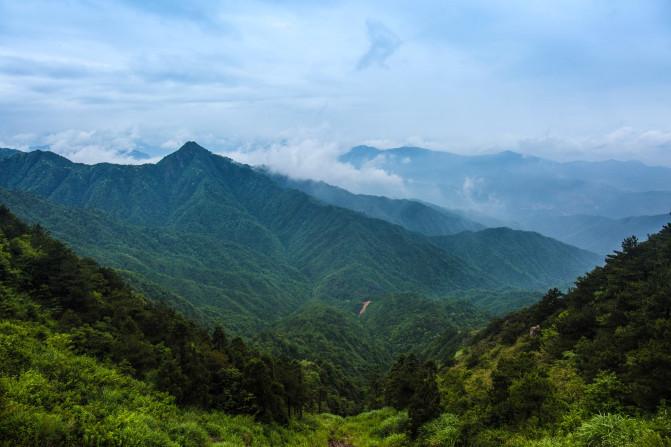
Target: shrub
441 432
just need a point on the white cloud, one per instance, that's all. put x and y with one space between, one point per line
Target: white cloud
88 147
652 146
318 160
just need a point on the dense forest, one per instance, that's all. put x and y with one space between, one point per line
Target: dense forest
86 360
228 244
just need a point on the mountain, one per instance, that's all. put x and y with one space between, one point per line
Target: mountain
410 214
57 307
86 360
526 259
6 153
597 233
512 186
225 237
585 368
599 355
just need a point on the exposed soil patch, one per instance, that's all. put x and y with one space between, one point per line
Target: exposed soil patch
364 306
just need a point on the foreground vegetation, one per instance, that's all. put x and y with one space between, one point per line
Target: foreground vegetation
86 360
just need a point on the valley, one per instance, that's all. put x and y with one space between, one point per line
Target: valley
335 223
251 309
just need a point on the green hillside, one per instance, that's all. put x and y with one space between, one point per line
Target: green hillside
86 360
589 368
227 244
520 258
223 236
412 323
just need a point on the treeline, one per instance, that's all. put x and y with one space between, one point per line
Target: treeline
41 279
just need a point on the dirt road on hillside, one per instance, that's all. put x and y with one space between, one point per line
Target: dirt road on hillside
364 306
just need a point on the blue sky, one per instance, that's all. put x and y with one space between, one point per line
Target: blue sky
277 80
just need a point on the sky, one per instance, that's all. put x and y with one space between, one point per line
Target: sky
291 84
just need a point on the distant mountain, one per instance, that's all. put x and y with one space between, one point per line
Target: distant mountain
526 259
513 186
596 233
410 214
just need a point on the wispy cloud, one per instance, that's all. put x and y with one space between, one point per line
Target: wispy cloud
383 43
125 147
318 160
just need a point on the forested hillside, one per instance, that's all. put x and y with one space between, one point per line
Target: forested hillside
410 214
86 360
513 256
224 243
587 368
225 237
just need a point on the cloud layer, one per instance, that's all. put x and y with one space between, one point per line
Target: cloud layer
578 79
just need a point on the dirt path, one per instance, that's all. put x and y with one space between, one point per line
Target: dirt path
364 306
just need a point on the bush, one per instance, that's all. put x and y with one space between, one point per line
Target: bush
615 430
441 432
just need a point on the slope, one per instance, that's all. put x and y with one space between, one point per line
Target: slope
411 323
47 288
520 258
410 214
595 357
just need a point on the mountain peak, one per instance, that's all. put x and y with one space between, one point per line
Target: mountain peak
191 147
189 151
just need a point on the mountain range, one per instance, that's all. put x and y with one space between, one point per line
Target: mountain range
231 245
592 205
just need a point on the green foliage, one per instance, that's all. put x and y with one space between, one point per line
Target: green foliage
412 323
411 385
441 432
499 302
588 367
239 248
345 356
520 259
614 430
44 282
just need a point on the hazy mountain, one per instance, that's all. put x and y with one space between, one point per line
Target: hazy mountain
410 214
512 186
597 233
